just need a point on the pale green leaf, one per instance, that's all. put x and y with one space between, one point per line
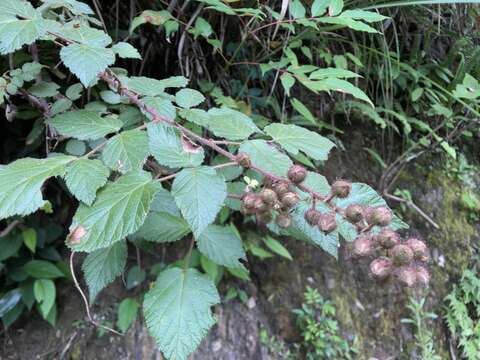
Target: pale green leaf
164 202
21 183
368 16
170 149
84 177
196 116
127 313
86 35
177 311
222 245
187 98
230 124
297 10
303 110
44 291
102 266
348 22
277 247
20 24
266 157
319 7
86 62
119 210
84 124
163 227
153 87
161 105
42 269
199 193
294 138
126 151
126 51
287 81
30 239
344 86
332 72
44 89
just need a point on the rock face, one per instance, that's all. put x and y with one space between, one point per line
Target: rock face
367 310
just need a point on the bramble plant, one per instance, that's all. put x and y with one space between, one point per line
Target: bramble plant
146 162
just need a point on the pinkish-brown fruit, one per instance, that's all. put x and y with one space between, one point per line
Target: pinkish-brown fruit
289 199
407 275
354 213
401 254
380 216
281 188
418 247
243 160
362 246
264 217
283 220
381 268
248 200
327 222
312 216
269 196
260 205
297 174
422 275
341 188
388 238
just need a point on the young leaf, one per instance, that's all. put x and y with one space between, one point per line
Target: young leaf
230 124
86 62
20 24
187 98
266 156
84 124
119 210
126 51
287 81
344 86
294 138
84 177
297 10
127 313
222 245
44 291
163 227
319 7
102 266
183 298
199 193
30 239
277 247
367 16
126 151
22 180
170 150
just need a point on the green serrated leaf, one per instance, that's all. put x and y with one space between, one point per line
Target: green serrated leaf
84 124
230 124
126 51
163 227
183 298
199 193
86 62
222 245
126 151
266 157
170 149
119 210
294 138
187 98
84 177
22 180
153 87
102 266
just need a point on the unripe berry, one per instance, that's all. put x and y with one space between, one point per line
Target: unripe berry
247 211
281 188
243 160
312 216
297 174
354 213
401 254
264 217
388 238
407 275
381 268
341 188
422 275
268 196
418 247
248 200
327 222
289 199
380 216
362 246
260 205
283 220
